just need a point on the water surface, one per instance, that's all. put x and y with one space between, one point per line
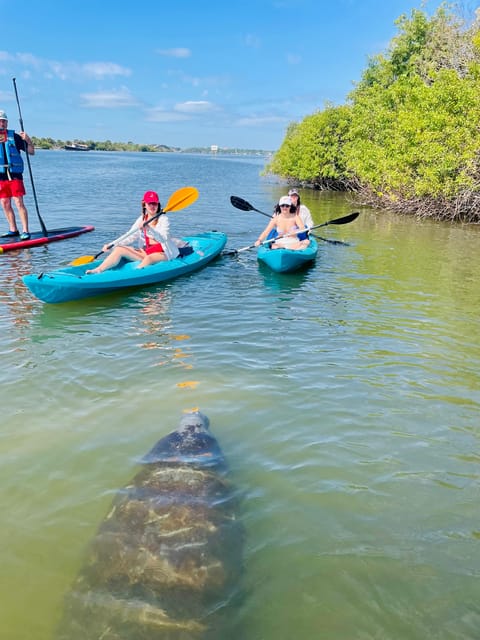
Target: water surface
346 399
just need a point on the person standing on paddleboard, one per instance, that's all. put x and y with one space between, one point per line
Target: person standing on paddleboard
11 176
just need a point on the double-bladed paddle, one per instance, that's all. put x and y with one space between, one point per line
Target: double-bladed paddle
243 205
179 200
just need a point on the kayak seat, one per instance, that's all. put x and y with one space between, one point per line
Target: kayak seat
185 251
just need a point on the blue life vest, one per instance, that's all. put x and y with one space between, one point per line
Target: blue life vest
14 159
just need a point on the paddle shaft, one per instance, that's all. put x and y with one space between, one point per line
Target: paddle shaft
42 224
243 205
131 232
285 235
343 220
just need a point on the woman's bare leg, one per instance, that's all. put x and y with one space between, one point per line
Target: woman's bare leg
153 258
114 258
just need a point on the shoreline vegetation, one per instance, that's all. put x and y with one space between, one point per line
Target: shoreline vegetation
408 137
108 145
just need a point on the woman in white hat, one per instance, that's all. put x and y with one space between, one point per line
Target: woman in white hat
286 224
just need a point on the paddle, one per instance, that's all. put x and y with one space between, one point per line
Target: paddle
242 204
343 220
179 200
42 224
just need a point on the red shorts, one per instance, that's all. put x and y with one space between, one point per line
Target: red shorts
154 248
12 188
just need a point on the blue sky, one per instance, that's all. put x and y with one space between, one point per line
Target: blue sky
186 73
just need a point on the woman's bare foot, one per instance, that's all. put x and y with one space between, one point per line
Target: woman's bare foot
96 270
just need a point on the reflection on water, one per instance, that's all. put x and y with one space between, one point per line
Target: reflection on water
284 282
15 304
345 397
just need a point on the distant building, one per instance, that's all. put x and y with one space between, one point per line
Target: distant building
214 148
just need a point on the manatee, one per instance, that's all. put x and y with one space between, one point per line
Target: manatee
166 561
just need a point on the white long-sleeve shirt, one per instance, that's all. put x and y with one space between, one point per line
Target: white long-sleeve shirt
159 232
306 216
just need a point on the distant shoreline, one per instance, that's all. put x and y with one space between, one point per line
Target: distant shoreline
90 145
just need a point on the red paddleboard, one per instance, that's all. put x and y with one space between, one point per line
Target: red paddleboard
38 237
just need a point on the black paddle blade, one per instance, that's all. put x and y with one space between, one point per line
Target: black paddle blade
240 203
346 219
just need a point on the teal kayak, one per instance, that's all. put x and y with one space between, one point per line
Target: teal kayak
72 283
287 260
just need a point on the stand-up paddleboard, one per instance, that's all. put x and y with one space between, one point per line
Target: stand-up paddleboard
38 237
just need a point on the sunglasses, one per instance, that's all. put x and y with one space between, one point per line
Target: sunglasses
284 205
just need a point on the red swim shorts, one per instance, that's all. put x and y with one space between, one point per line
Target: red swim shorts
12 188
154 248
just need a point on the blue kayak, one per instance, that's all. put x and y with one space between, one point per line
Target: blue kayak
72 283
287 260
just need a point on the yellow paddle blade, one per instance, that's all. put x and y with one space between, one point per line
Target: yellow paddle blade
82 260
181 198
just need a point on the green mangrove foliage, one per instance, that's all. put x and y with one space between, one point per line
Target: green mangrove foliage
312 151
409 137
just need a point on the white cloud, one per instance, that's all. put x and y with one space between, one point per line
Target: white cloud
178 52
102 69
199 106
65 70
69 70
29 60
182 111
109 99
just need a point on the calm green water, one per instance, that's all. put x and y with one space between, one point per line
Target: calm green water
346 399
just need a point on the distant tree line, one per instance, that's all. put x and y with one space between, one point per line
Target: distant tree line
107 145
408 138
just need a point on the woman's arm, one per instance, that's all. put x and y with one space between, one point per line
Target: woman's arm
266 231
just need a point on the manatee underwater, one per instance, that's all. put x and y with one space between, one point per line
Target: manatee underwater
167 559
